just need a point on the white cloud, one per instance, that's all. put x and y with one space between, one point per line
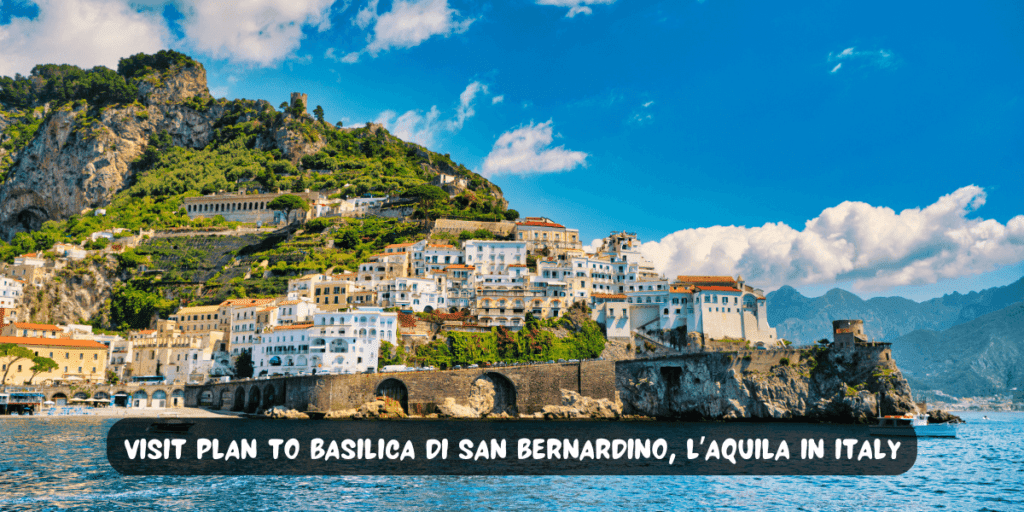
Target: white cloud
875 58
407 24
526 150
872 246
497 99
424 128
85 33
575 6
261 32
642 115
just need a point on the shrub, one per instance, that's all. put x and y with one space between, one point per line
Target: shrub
784 361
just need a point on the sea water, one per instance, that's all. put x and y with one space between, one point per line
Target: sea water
60 464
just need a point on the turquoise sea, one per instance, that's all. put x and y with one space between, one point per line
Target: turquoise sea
60 464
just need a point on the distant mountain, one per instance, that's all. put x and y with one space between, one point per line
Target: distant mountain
804 320
982 357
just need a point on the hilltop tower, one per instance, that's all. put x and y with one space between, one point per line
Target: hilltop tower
848 333
296 97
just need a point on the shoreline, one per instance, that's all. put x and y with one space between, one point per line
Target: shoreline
119 412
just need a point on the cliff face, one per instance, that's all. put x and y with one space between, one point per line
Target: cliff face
814 385
78 293
81 154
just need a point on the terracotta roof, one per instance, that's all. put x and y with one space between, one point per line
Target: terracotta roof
246 302
681 289
30 255
198 309
146 331
441 246
460 267
717 289
399 245
292 327
289 303
517 265
36 327
60 342
608 296
267 310
705 279
540 224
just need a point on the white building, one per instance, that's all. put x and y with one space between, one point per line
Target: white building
349 341
492 256
10 292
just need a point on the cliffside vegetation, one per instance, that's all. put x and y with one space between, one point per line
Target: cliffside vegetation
253 146
573 336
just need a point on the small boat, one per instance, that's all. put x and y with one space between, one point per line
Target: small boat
911 425
171 423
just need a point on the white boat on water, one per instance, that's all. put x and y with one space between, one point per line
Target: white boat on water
911 425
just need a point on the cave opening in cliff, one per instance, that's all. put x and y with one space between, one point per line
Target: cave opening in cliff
32 218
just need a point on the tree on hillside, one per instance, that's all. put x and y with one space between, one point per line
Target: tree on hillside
318 112
13 353
132 308
287 203
42 365
243 365
511 214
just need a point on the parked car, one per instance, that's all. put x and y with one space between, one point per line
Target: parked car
473 366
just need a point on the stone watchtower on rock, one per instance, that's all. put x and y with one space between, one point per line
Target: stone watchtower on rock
298 96
848 333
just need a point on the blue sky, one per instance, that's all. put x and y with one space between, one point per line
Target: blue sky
716 130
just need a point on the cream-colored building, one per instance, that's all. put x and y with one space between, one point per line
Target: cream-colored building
199 319
244 207
80 361
29 330
542 235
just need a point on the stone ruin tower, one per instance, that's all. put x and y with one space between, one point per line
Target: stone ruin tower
296 97
847 333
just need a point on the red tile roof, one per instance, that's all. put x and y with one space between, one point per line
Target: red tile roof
292 327
709 288
540 224
59 342
289 303
246 302
681 289
460 267
608 296
37 327
705 279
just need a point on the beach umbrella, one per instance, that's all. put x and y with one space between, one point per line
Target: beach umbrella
48 402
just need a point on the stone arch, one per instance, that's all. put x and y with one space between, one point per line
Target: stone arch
428 309
159 398
59 398
396 390
206 398
140 399
494 393
239 399
100 395
225 399
269 396
81 395
121 398
253 403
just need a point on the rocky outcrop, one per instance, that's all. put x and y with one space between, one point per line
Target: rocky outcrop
575 406
814 384
77 292
381 408
280 412
940 416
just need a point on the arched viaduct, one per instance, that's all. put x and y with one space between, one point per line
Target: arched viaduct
522 389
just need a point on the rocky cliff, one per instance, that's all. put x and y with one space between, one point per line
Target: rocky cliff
81 153
820 384
76 293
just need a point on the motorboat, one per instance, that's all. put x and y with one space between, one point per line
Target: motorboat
911 425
